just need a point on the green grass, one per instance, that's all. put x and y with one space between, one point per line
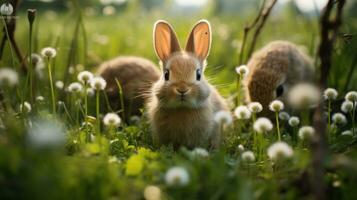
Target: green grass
120 164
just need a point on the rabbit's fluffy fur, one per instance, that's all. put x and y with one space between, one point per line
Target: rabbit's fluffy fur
184 119
280 63
135 75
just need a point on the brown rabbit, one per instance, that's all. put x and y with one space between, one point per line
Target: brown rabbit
183 104
274 69
135 76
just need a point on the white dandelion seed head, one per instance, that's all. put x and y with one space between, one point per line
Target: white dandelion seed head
242 70
48 52
6 9
90 92
46 133
294 121
284 116
200 152
152 192
8 77
306 132
177 176
347 133
262 125
75 87
85 76
98 83
40 98
330 94
25 107
276 106
280 150
240 148
59 85
223 117
255 107
303 96
351 96
339 119
37 61
347 106
248 156
242 112
111 120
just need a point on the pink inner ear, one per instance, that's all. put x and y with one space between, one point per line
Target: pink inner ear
165 41
199 40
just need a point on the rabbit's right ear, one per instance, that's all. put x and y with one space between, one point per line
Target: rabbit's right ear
165 40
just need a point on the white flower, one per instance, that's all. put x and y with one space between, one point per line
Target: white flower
59 85
242 112
90 92
276 106
347 106
294 121
37 61
304 96
177 176
40 98
351 96
152 192
284 116
330 94
248 156
339 119
200 152
25 107
8 77
223 117
46 133
262 125
6 9
75 87
280 150
111 120
49 52
255 107
306 132
98 83
348 133
85 76
240 148
242 70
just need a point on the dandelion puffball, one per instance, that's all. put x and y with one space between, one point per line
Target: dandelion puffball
339 119
240 148
152 193
98 83
25 107
6 9
200 152
75 87
280 150
351 96
306 132
348 133
262 125
284 116
177 176
294 121
303 96
330 94
248 156
111 120
242 70
255 107
48 52
347 106
59 85
84 77
223 117
46 133
242 112
8 77
276 106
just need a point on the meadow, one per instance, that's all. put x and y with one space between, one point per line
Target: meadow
54 144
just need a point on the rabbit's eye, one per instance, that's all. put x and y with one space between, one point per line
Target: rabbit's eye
279 90
167 74
198 74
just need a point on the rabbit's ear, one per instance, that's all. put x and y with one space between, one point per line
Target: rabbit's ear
199 41
165 40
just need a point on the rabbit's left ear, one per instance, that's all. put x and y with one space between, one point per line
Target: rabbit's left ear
199 41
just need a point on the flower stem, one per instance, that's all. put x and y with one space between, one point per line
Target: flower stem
30 74
238 89
97 111
51 84
329 120
277 125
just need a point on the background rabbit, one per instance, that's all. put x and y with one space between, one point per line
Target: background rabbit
274 69
135 75
183 103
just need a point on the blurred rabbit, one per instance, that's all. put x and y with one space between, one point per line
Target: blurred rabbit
183 104
274 69
135 76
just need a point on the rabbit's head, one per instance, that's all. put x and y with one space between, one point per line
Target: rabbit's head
182 83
